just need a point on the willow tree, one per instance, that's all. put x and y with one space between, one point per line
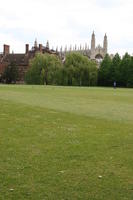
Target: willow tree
43 69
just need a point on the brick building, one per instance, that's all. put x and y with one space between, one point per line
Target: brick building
22 60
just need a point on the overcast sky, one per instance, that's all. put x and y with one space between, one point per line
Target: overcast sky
66 22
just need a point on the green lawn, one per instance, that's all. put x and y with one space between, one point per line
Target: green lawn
66 143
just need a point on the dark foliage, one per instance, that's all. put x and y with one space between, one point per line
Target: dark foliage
116 70
10 74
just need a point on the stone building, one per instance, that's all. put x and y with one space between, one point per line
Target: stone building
94 53
22 60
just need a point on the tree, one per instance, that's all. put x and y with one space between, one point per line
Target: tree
125 70
43 69
115 70
104 71
93 76
130 74
42 76
10 74
80 70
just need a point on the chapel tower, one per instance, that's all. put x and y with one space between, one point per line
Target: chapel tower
93 41
105 44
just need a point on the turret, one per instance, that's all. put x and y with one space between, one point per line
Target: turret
6 49
65 48
35 43
47 45
61 51
27 48
93 46
105 44
93 42
85 46
56 49
40 48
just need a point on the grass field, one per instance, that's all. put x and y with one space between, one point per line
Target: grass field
66 143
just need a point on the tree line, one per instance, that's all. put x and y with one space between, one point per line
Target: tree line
48 69
116 70
76 70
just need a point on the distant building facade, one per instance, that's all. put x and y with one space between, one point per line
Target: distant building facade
94 53
22 60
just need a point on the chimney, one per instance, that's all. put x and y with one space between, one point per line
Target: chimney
40 47
6 49
26 48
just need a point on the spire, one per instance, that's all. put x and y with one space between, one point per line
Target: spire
35 43
105 44
47 44
60 53
65 48
93 41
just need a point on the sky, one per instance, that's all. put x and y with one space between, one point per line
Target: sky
66 22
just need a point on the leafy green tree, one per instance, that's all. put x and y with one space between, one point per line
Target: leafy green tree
43 76
33 75
63 76
80 70
130 74
10 74
117 69
114 71
104 71
43 69
125 70
93 76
